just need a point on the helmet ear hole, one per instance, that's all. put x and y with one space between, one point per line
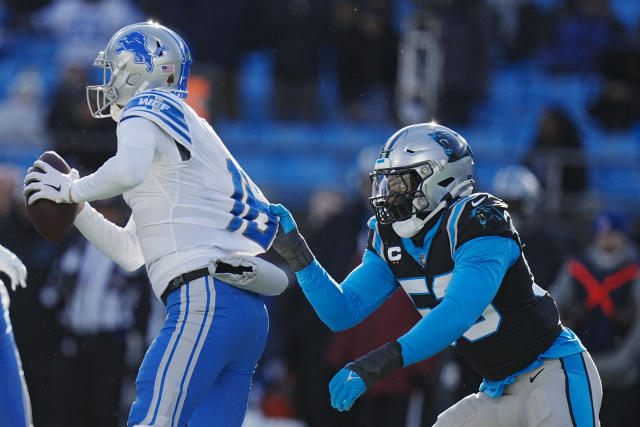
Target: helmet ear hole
170 79
446 182
133 79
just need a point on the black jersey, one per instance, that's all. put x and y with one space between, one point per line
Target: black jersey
521 322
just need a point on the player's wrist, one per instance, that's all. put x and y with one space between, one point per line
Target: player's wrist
293 248
378 363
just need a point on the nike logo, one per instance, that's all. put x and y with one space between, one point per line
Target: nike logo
477 202
54 187
352 376
533 378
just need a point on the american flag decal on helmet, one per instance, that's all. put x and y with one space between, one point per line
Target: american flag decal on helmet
166 69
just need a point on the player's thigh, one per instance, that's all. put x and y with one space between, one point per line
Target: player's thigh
241 331
169 365
475 410
226 403
569 394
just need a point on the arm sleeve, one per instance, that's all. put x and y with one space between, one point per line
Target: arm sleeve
137 139
480 265
118 243
341 306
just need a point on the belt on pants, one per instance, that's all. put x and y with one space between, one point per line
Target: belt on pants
183 279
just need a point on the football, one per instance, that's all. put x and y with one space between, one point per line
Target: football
52 220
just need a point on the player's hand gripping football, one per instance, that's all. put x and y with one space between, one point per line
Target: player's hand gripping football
289 243
345 387
11 265
48 183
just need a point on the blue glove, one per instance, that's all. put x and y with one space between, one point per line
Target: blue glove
286 219
345 387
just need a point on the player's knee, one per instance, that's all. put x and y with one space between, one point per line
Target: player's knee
460 414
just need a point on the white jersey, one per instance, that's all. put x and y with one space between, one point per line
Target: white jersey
195 202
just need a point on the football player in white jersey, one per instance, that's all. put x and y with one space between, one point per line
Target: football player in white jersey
192 205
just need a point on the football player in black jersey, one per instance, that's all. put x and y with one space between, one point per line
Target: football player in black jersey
459 258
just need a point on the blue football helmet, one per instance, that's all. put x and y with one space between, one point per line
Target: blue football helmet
140 56
421 169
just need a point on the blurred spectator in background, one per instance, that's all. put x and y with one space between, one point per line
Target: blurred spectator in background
617 107
544 241
77 136
598 295
557 159
98 307
295 31
218 33
23 112
444 62
9 179
367 54
80 27
582 29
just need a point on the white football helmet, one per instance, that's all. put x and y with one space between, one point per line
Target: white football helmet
422 168
140 56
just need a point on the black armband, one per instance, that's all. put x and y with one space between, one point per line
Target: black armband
293 248
377 364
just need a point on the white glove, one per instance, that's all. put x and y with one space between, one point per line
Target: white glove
50 185
11 265
249 273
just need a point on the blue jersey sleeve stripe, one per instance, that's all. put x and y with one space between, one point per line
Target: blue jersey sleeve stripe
164 95
142 111
174 112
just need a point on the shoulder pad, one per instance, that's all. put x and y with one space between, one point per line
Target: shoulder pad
477 215
164 109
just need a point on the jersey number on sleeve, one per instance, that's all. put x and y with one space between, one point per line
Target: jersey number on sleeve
250 212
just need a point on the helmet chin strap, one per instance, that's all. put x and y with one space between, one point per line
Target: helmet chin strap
412 226
116 112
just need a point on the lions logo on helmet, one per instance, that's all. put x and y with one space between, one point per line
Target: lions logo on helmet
136 43
138 57
422 168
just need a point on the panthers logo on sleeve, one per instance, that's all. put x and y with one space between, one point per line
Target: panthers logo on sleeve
478 215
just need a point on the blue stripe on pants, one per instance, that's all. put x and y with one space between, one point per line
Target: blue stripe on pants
578 390
148 383
199 368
